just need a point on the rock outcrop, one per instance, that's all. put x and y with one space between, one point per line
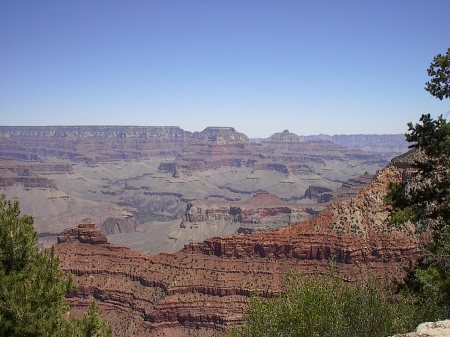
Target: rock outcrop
84 233
431 329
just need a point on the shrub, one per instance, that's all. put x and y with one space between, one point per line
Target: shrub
327 306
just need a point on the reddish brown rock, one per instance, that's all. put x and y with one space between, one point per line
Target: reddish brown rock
206 287
84 233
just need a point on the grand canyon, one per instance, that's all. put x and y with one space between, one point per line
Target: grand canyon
172 231
156 189
224 168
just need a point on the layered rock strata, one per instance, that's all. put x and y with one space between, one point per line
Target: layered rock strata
206 287
262 209
92 144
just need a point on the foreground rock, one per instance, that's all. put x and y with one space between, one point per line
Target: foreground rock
431 329
206 287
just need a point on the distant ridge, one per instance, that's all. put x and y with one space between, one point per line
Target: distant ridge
26 135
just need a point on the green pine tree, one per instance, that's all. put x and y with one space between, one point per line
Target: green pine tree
425 199
32 286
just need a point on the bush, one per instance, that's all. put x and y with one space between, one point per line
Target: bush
327 306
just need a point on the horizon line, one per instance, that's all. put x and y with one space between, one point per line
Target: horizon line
176 126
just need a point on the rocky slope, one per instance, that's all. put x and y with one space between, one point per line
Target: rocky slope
206 287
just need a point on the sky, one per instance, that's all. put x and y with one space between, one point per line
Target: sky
332 67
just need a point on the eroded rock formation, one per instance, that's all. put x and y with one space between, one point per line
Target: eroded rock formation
262 209
84 233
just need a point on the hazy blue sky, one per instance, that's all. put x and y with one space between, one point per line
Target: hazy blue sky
260 66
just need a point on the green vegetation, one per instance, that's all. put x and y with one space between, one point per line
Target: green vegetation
439 70
32 287
425 199
91 325
328 307
398 199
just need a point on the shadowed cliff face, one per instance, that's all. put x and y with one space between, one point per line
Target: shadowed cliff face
206 287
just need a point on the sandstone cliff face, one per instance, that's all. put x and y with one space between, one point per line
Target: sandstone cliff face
361 220
207 285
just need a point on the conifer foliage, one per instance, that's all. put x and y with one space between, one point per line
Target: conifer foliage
425 198
32 287
439 71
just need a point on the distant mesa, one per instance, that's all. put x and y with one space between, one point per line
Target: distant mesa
285 137
221 135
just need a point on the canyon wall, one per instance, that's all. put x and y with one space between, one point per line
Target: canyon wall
98 143
206 287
